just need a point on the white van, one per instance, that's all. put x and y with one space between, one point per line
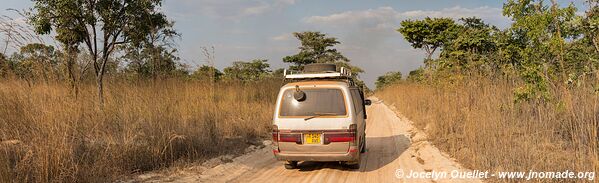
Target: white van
320 116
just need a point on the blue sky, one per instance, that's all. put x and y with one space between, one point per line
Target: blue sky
242 30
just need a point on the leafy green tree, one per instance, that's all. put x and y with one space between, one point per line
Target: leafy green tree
206 72
156 56
248 71
429 34
416 75
38 60
101 25
388 79
471 48
475 36
315 48
543 32
590 25
152 61
278 73
4 65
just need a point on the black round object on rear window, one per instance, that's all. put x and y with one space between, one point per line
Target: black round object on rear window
299 96
320 68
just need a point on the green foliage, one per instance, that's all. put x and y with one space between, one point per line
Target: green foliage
547 47
590 25
536 86
315 48
101 25
43 57
356 71
278 73
388 79
428 34
472 48
151 61
119 21
416 75
34 61
4 67
543 30
155 56
206 72
248 71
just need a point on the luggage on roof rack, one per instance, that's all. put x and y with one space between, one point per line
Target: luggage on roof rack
319 71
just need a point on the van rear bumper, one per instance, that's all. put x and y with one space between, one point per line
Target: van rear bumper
352 155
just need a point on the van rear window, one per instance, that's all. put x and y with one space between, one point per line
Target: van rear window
318 101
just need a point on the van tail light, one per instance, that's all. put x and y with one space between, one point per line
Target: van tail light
347 136
353 130
339 137
275 135
290 137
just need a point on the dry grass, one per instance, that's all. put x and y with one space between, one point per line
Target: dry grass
50 136
480 125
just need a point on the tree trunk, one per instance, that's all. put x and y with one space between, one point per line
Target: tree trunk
100 84
71 57
595 43
100 79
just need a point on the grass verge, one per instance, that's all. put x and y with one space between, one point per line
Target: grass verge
479 124
48 135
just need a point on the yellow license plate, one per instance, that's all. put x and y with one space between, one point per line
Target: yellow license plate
312 138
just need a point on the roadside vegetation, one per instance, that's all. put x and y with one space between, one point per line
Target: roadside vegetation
112 98
49 135
515 99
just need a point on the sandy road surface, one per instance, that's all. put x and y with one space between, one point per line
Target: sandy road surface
392 144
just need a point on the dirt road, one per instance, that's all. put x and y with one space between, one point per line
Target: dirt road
392 145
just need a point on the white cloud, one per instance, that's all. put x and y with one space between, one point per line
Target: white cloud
236 9
379 14
282 37
489 14
369 37
257 9
383 17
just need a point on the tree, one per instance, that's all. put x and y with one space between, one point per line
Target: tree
543 33
38 60
475 36
278 73
428 34
471 48
416 75
355 70
387 79
4 66
101 25
156 56
315 48
151 61
206 72
248 71
591 23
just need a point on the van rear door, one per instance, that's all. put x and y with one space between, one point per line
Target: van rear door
317 124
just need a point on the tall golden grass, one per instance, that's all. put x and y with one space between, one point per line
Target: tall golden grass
479 124
48 135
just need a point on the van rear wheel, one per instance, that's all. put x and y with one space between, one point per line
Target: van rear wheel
291 165
352 164
363 146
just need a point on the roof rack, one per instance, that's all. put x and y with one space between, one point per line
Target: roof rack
343 73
